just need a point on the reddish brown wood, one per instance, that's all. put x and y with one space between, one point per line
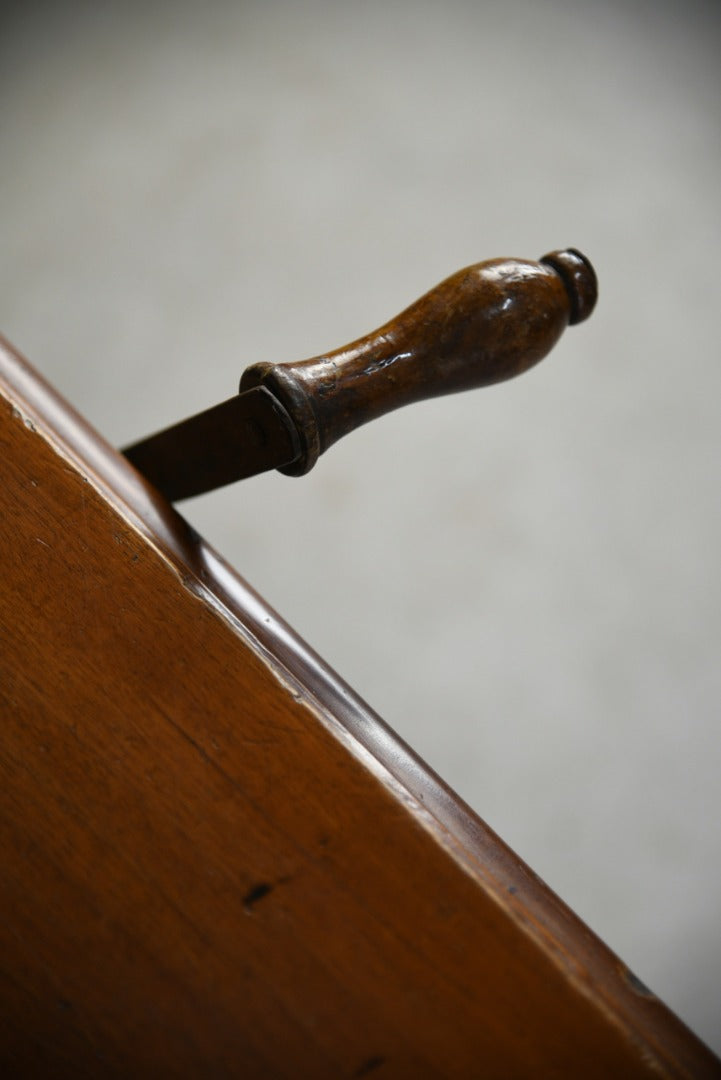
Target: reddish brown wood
216 860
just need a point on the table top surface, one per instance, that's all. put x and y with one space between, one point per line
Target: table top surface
219 857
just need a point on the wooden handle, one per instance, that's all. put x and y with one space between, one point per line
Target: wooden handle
484 324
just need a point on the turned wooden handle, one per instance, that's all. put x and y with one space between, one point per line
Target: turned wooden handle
484 324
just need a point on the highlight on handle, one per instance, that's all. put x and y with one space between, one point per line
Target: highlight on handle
484 324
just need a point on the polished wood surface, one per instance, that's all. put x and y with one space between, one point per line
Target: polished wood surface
484 324
216 860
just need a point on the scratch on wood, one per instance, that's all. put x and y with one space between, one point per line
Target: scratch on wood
18 414
369 1066
255 894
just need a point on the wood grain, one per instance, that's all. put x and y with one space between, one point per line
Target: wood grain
216 860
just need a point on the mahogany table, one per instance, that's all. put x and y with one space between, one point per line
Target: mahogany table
218 861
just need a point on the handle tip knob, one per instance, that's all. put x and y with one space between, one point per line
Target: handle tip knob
579 279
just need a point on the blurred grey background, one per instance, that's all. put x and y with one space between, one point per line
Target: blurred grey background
523 581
